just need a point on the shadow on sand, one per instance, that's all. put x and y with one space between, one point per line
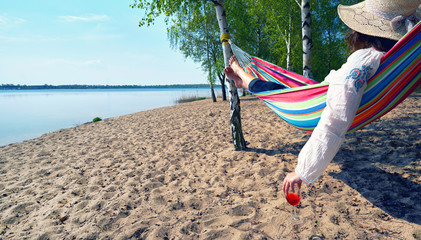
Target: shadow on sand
383 163
375 159
394 194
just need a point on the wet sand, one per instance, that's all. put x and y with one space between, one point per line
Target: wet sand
172 173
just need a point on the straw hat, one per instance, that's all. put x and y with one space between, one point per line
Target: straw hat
382 18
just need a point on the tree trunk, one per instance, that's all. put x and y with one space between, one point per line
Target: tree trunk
288 41
286 35
258 36
235 121
307 40
222 80
213 93
330 50
210 75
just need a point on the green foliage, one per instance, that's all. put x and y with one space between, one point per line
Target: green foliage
330 49
97 119
192 28
262 28
195 33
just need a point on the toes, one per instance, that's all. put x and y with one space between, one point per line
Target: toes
228 70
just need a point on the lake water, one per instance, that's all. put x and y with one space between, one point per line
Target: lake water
26 114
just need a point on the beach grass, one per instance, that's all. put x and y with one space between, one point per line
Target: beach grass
185 99
97 119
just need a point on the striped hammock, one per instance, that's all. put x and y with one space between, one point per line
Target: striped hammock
302 102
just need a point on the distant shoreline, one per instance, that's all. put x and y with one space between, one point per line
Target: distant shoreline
75 86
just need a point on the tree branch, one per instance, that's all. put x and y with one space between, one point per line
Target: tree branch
298 3
280 31
216 2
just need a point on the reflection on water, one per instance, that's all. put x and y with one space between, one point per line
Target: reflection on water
30 113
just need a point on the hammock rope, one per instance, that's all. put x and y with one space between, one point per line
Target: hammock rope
243 58
302 102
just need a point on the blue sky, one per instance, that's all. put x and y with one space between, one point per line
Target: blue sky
87 42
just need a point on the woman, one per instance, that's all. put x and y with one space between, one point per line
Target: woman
375 25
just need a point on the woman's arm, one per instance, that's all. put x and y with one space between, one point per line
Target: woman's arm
346 87
258 85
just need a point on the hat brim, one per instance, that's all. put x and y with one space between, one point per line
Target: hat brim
358 18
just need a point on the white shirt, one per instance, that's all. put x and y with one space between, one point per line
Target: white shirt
346 87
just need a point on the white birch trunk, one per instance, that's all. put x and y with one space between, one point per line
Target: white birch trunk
288 41
236 131
307 40
286 35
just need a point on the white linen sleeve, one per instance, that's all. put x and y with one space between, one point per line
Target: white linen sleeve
346 87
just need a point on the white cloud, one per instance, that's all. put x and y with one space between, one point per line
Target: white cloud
91 62
98 37
27 39
88 18
8 22
13 39
75 62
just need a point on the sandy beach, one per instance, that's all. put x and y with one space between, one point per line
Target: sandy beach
172 173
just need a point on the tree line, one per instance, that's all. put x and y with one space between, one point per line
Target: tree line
75 86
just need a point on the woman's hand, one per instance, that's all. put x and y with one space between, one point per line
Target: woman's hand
289 181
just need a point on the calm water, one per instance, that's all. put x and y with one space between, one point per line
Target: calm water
28 114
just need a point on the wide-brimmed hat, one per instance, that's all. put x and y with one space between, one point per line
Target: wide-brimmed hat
382 18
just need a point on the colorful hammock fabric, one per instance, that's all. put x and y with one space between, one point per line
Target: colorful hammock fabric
302 102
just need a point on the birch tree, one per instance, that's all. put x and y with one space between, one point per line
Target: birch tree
172 9
282 28
236 130
208 63
307 39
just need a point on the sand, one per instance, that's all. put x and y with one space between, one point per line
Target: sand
172 173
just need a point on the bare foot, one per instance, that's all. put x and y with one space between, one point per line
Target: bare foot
235 71
233 76
235 65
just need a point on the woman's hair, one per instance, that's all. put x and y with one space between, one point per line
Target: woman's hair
357 40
